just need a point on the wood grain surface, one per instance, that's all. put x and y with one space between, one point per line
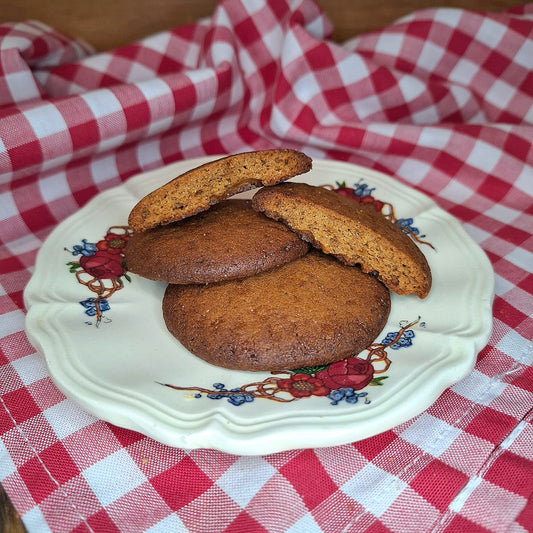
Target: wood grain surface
108 24
9 519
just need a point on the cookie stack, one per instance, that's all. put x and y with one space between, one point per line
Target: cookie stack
298 276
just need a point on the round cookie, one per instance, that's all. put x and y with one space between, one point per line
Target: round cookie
203 186
311 311
228 241
354 233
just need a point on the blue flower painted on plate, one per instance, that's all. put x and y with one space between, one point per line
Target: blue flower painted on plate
406 224
405 340
85 248
90 306
348 395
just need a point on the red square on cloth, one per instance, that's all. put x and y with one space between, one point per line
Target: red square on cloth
59 463
307 475
126 437
525 379
37 217
513 473
460 524
370 448
507 313
491 425
37 479
21 405
439 483
181 483
6 422
244 522
101 521
494 188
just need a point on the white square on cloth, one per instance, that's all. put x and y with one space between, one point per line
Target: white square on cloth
483 156
113 477
389 43
434 436
291 50
45 120
521 258
464 71
21 87
502 213
477 234
352 69
65 418
307 87
304 525
456 192
374 488
54 186
104 168
434 137
500 94
243 479
103 102
12 322
34 521
515 346
170 523
30 368
524 55
413 170
430 56
479 388
491 32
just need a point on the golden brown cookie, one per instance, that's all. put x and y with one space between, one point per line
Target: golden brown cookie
228 241
311 311
203 186
354 233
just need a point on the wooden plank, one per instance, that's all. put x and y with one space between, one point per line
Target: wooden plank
9 519
108 25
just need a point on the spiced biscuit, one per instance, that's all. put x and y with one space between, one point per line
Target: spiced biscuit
228 241
354 233
311 311
199 188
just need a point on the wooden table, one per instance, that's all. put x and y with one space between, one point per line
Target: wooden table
107 25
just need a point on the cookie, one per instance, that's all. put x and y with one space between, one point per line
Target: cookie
199 188
311 311
354 233
228 241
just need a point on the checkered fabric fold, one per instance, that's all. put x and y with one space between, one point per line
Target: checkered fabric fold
442 100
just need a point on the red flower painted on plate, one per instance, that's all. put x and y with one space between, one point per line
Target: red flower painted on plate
303 385
360 198
352 373
103 265
113 243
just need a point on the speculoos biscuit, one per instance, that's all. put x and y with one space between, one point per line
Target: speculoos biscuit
311 311
354 233
228 241
203 186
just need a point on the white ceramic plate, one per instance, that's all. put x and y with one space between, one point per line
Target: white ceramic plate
117 365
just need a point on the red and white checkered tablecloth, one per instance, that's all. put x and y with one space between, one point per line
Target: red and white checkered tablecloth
442 100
